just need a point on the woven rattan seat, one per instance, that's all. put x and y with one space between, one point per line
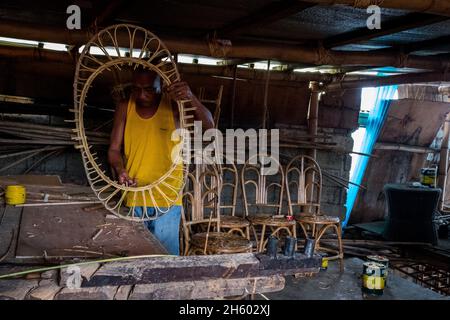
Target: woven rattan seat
233 222
319 219
220 242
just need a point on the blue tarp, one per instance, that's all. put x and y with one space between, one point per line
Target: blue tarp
375 122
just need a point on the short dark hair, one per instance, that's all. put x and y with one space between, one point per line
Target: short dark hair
141 70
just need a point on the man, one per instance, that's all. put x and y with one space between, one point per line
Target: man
143 128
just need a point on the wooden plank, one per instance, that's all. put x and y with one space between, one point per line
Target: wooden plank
10 223
207 289
171 269
123 292
46 290
16 289
413 122
68 232
99 293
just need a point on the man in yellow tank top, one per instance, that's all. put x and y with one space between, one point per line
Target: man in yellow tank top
143 128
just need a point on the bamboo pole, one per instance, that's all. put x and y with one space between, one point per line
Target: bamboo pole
345 180
48 142
43 158
20 153
20 160
335 180
56 203
46 128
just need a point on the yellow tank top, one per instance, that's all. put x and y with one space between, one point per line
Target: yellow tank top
148 147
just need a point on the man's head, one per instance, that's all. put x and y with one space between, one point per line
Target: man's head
146 87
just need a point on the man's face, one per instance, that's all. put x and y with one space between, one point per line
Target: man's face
146 88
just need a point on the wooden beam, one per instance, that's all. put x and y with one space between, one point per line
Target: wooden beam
192 268
62 65
441 7
269 13
386 81
313 115
239 49
409 21
235 62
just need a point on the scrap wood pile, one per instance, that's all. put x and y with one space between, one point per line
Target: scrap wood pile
21 141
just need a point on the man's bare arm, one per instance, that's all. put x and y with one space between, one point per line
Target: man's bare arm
181 91
115 147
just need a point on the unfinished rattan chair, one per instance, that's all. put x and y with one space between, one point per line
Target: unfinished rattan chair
215 102
304 187
201 217
229 221
268 185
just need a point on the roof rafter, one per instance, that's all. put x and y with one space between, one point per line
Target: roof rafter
272 12
409 21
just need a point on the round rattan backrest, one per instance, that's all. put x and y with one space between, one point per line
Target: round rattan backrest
120 46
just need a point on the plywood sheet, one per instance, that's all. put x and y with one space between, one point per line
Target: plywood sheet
68 231
413 122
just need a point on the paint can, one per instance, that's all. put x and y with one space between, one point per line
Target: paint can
384 261
428 177
15 194
373 278
324 265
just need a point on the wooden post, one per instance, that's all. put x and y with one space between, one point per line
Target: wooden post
313 111
266 94
313 121
443 161
233 96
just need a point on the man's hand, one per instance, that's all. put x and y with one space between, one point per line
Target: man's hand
180 91
124 178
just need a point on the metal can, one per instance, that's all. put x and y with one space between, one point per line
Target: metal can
373 278
384 261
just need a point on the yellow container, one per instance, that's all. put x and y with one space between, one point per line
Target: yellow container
15 194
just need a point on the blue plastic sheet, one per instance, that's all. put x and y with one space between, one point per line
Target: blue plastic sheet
377 115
